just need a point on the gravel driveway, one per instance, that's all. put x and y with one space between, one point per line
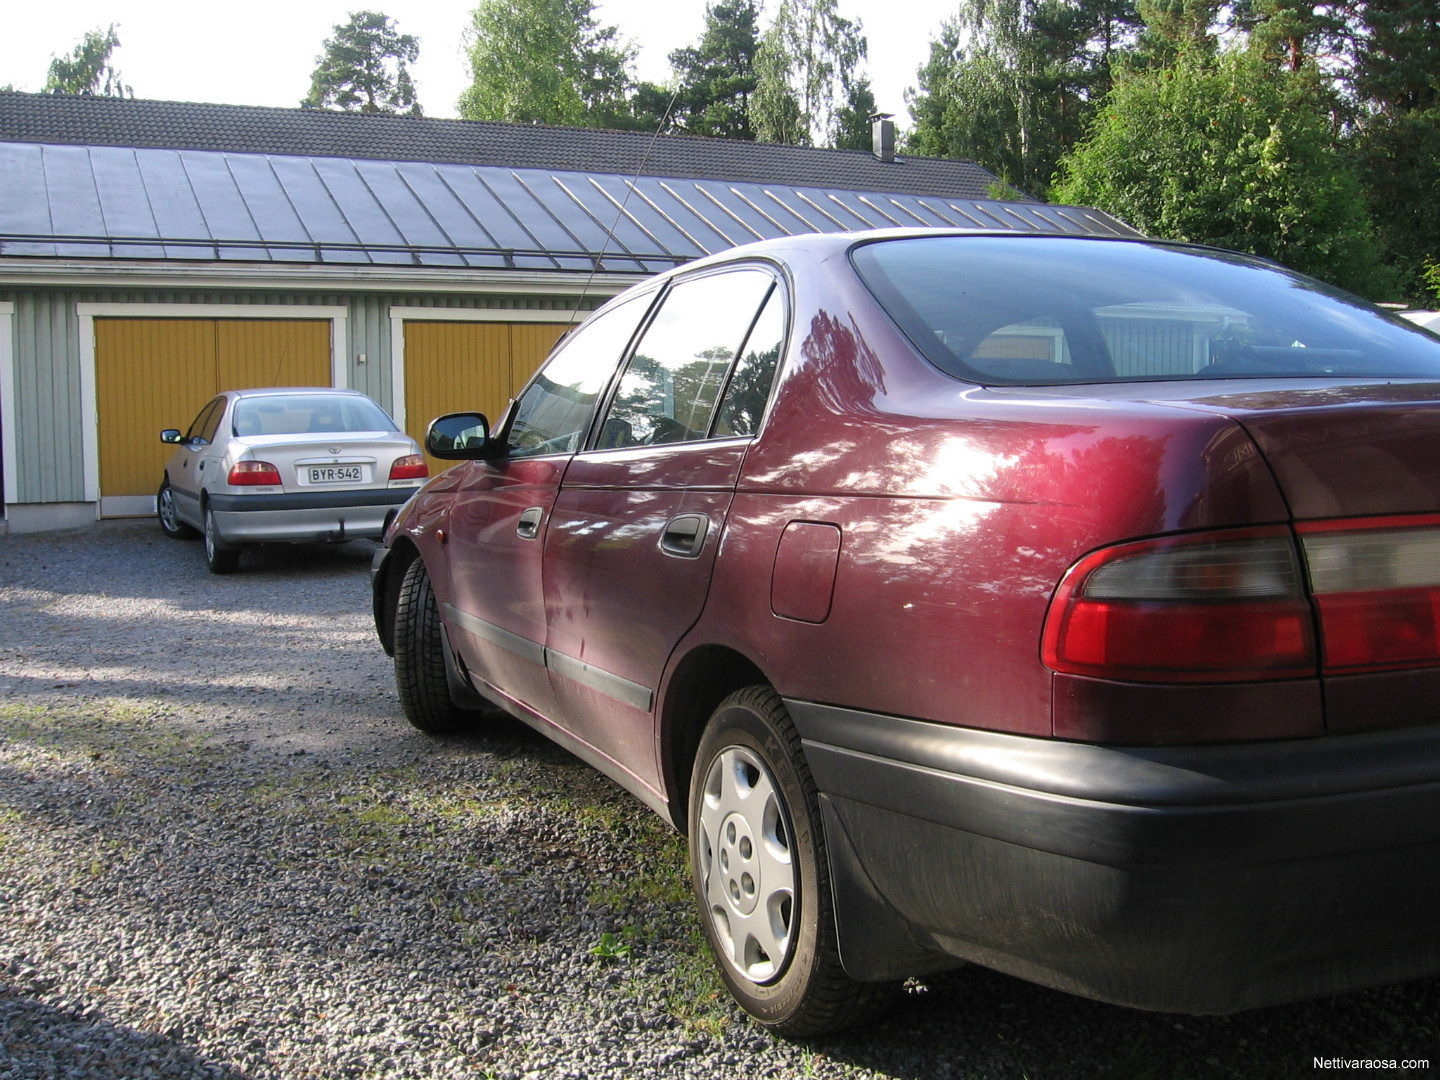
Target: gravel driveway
223 853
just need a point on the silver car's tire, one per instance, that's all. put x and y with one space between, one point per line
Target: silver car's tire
420 658
759 871
220 557
169 518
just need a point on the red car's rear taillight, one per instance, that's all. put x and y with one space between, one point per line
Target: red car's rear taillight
1376 583
1213 607
253 474
409 467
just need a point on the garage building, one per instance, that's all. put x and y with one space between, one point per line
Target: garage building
153 253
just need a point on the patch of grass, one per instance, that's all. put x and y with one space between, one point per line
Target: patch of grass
106 731
455 809
384 816
657 905
693 992
370 813
275 792
663 878
11 827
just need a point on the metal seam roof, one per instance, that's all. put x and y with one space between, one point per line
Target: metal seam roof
144 203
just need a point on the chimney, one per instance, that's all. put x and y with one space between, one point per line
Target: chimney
882 136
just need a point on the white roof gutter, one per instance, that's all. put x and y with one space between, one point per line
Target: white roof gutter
99 273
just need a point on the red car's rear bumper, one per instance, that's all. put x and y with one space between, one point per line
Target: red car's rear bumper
1193 879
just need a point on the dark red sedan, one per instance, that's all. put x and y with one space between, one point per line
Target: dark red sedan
1064 604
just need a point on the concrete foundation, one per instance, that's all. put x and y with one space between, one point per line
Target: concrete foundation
48 517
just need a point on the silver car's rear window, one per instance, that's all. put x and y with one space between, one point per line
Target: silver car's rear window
1043 310
294 414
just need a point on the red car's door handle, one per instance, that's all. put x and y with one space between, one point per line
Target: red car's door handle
684 536
529 526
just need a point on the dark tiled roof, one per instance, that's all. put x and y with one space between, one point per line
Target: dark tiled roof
100 121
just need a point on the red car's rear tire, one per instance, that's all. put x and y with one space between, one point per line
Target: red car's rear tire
758 867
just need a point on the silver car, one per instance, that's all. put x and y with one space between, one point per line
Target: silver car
286 464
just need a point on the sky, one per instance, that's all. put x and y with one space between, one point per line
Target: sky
262 52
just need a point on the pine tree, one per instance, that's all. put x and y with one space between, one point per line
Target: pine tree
363 68
716 76
1396 139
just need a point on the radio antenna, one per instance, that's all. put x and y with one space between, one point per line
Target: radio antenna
610 232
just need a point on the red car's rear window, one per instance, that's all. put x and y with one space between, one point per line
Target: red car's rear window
1039 310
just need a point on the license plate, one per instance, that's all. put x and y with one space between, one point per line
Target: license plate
335 474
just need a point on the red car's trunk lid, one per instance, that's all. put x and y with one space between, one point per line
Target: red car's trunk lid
1342 450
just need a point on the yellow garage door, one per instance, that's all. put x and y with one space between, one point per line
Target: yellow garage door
271 352
157 373
469 367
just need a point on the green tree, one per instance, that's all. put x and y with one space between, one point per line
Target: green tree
545 61
1294 33
363 68
648 107
1012 83
806 74
852 122
1229 151
1396 137
969 105
1432 278
1397 62
87 70
1172 28
775 107
716 76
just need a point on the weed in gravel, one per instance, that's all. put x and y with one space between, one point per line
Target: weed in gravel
597 818
662 880
614 946
458 809
277 791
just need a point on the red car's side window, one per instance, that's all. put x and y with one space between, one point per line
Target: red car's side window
555 409
743 405
673 384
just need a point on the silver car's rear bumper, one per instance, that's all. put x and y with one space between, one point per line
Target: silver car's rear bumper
339 515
